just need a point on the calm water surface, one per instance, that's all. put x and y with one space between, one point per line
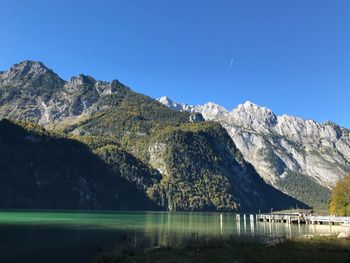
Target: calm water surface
32 236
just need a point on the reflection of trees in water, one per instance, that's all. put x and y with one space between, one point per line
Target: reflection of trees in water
179 228
172 229
294 230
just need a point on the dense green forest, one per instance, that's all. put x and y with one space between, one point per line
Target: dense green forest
40 169
307 190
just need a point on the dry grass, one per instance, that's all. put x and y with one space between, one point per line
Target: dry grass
317 249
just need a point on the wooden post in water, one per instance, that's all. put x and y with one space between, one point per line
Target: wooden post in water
220 217
251 218
244 218
238 218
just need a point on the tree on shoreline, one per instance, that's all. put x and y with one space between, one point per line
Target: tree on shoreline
340 201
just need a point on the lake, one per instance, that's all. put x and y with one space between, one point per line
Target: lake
61 236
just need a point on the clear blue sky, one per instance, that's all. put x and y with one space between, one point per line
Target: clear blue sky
292 56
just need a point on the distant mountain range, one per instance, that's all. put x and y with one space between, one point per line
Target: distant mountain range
88 144
300 157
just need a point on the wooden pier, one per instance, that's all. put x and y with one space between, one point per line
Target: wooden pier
298 218
293 218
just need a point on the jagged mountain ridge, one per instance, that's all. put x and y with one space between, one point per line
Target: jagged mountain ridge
88 110
40 95
283 147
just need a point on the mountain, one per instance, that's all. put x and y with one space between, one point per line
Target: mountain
31 91
302 158
171 160
202 164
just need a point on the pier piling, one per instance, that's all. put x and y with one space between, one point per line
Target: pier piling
297 218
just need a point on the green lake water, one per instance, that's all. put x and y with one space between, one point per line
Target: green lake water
51 236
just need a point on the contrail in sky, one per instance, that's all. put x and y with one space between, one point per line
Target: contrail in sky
231 63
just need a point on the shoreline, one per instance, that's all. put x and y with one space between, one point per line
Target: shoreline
316 249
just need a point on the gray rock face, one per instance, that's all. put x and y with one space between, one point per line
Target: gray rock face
279 146
30 91
25 70
196 117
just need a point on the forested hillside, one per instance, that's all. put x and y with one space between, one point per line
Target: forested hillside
40 169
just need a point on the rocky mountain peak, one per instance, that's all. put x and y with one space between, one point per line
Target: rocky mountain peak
81 80
165 99
253 109
208 110
173 105
85 83
29 65
24 70
211 110
252 116
249 104
214 106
